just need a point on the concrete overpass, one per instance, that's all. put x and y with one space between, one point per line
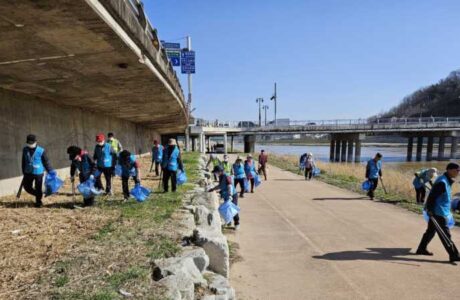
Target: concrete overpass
72 68
346 136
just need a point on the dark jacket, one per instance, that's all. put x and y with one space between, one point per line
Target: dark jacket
84 164
45 160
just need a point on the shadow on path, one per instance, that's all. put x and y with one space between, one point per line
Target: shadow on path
378 254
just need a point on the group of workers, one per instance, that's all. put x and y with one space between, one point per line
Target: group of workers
108 155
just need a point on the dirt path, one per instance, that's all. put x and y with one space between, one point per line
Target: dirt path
309 240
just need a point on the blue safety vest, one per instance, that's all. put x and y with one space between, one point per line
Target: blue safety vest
238 171
443 202
223 185
250 169
374 169
170 163
106 160
130 170
34 164
420 180
157 153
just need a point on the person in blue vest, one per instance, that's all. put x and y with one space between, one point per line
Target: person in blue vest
250 170
239 175
171 163
105 158
227 190
421 179
373 172
86 167
157 156
438 205
129 168
34 163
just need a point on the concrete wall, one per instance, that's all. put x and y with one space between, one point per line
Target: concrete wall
56 127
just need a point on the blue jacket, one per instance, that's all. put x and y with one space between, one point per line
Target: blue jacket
157 153
171 161
442 203
373 169
238 171
421 179
223 186
33 164
250 169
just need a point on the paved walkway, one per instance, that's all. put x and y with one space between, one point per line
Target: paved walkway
310 240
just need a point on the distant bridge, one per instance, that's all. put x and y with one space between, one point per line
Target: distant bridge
345 135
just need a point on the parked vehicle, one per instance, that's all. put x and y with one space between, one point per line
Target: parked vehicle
219 148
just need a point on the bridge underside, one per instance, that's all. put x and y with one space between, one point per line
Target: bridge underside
63 51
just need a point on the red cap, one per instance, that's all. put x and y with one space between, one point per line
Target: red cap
100 137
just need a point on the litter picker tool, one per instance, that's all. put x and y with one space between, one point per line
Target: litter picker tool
444 238
151 167
383 185
161 177
18 195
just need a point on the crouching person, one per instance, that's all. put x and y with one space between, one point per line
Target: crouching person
86 167
227 190
129 168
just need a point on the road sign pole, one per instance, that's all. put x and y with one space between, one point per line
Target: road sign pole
275 106
189 100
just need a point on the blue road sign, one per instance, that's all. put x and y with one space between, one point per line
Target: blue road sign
167 45
187 62
174 57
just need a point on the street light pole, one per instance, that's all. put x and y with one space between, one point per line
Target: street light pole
274 98
260 101
265 107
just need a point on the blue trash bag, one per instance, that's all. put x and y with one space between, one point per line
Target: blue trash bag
257 181
181 177
316 172
87 188
118 170
367 185
228 210
450 219
52 183
246 185
140 193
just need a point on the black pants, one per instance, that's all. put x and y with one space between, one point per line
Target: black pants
157 168
236 218
33 184
420 195
375 183
252 184
108 179
263 170
86 201
240 181
308 173
166 175
124 183
430 232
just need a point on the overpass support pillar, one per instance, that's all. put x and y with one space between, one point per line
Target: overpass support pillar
187 139
332 148
225 143
358 150
429 149
410 146
193 144
418 156
442 144
202 143
231 143
343 157
249 143
350 151
453 147
337 150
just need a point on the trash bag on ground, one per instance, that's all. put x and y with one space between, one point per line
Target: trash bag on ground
316 172
228 210
246 185
140 193
367 185
257 181
87 189
52 183
181 177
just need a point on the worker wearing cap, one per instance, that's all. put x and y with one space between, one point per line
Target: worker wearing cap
171 163
263 160
438 205
157 156
239 175
34 163
423 177
250 170
227 190
114 143
373 172
106 159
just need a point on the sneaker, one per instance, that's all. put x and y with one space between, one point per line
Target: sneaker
237 227
454 258
125 199
241 196
424 252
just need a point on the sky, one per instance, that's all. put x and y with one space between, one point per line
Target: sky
331 59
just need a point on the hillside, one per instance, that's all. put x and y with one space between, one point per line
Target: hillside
439 100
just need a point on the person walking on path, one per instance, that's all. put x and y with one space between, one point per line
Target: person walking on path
421 179
438 206
309 166
239 174
157 156
227 191
34 163
114 143
171 163
302 160
263 160
250 170
373 172
106 159
129 168
226 165
86 167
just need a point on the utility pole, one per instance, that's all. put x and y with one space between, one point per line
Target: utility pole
260 101
265 108
274 98
189 99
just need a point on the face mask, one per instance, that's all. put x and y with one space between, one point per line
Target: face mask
101 143
32 146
